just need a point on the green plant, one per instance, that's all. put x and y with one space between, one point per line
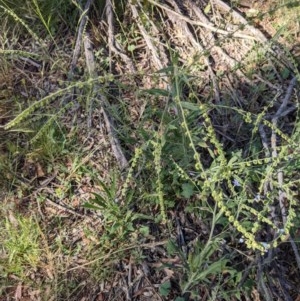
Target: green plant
118 218
21 251
235 173
202 135
40 18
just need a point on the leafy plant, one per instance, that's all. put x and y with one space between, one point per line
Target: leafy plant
21 251
118 219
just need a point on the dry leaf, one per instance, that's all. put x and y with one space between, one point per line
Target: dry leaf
12 219
18 292
39 170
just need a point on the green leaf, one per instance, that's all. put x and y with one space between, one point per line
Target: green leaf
207 9
172 127
285 73
91 206
144 230
129 227
189 106
187 190
105 188
165 288
20 130
214 269
99 200
202 144
172 248
166 70
141 216
157 92
131 48
233 159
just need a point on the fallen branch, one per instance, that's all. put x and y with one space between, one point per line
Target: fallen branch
197 46
115 145
146 37
112 42
257 33
214 43
281 110
212 28
81 28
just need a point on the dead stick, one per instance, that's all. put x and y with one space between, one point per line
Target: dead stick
212 28
112 44
257 33
81 28
116 148
280 110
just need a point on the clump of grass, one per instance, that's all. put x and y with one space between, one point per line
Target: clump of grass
20 241
39 18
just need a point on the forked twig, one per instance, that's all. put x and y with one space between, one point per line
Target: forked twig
260 36
212 43
111 39
115 145
261 282
296 252
146 37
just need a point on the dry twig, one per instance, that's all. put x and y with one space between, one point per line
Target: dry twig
116 148
280 110
212 43
183 25
146 37
202 24
256 33
82 25
112 45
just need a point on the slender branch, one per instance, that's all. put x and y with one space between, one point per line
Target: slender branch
84 19
280 110
202 24
212 43
257 33
296 252
147 38
111 40
116 148
197 46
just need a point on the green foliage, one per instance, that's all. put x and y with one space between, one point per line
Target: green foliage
38 15
201 166
21 251
179 156
165 288
118 219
